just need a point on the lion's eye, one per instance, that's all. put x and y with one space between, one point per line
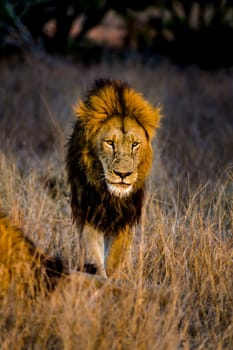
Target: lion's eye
135 144
110 143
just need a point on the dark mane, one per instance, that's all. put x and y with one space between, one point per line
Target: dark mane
102 210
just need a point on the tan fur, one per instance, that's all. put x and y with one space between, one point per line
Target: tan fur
109 157
24 269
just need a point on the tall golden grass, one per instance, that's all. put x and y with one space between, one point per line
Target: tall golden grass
179 295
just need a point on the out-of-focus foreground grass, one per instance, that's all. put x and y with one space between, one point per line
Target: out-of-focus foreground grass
180 294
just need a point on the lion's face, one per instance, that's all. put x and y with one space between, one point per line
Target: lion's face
121 145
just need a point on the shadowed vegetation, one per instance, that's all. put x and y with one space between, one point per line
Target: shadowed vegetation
186 31
179 295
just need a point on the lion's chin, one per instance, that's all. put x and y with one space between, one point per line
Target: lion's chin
120 190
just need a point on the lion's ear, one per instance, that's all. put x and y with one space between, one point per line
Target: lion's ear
157 116
144 112
79 110
150 119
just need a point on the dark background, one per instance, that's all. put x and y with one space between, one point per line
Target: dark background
198 32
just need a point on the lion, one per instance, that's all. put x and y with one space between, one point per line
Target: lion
24 269
108 159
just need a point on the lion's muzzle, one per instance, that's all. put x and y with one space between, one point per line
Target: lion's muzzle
122 174
120 181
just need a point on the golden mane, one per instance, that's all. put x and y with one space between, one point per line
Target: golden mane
113 97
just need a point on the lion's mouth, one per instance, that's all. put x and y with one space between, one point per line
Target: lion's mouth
120 189
123 184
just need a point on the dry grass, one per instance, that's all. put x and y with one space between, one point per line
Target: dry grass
180 294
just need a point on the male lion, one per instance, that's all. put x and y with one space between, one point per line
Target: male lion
109 156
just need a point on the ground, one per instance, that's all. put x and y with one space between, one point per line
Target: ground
180 293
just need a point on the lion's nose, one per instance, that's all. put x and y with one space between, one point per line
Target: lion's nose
122 174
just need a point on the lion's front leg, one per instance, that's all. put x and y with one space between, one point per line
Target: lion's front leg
118 254
92 251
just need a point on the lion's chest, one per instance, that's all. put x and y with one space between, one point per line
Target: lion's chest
109 214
